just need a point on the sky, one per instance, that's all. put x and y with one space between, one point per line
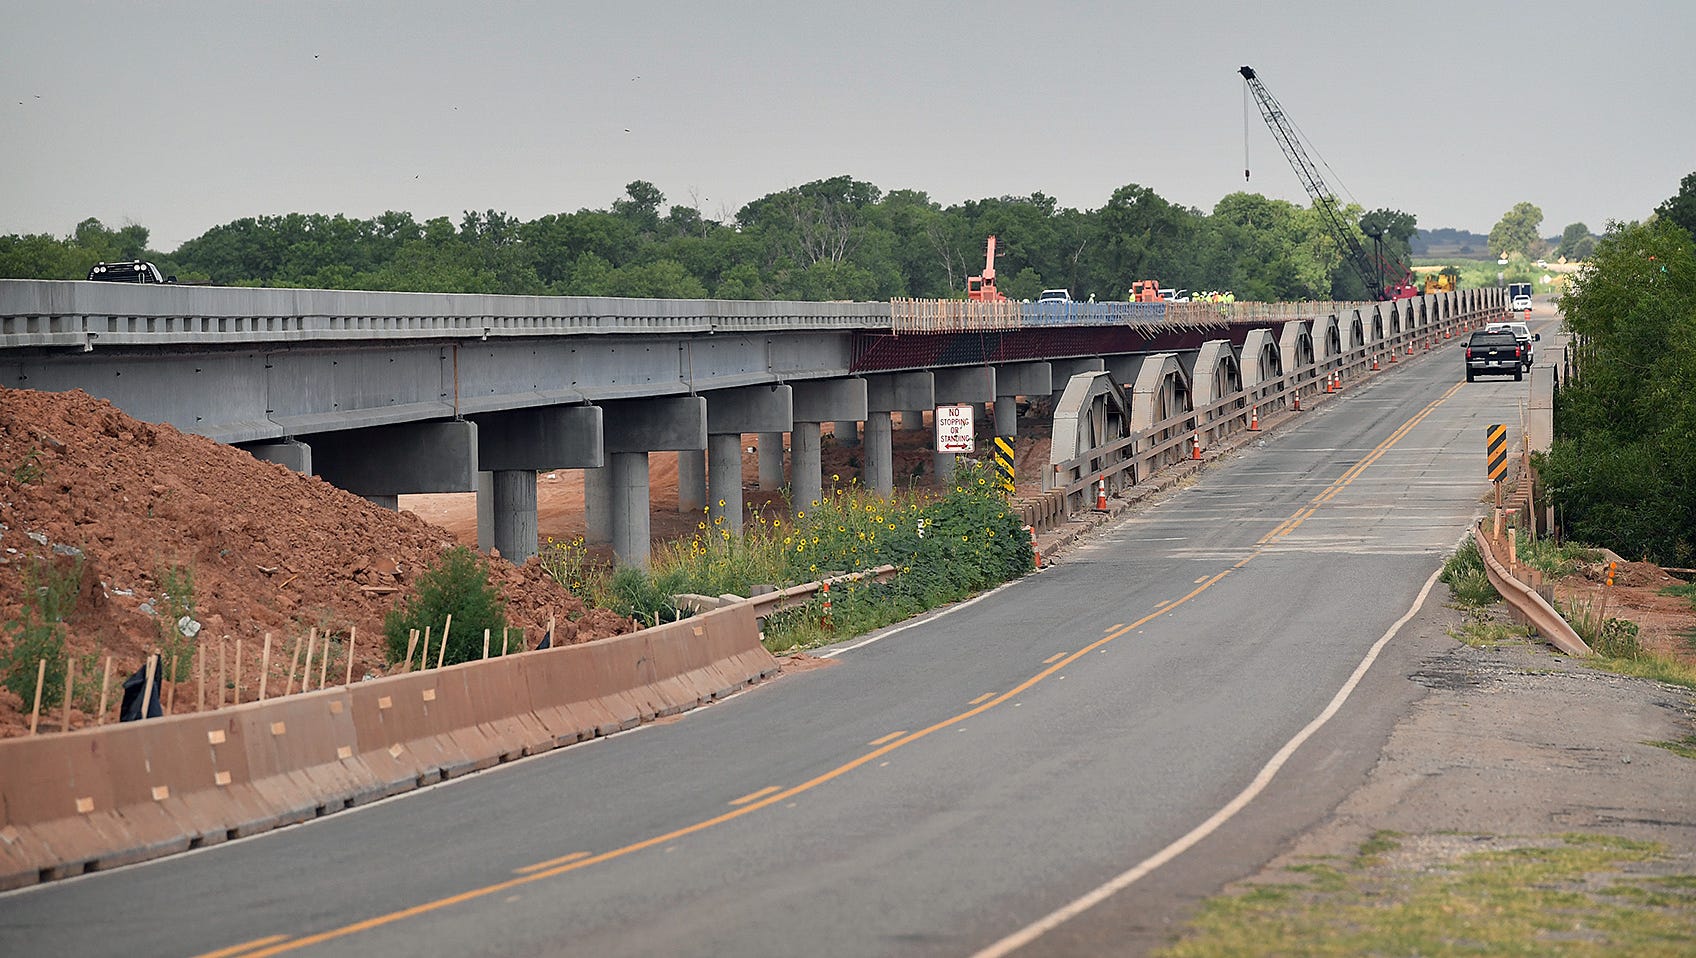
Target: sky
181 116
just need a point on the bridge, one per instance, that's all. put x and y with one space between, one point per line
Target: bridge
385 394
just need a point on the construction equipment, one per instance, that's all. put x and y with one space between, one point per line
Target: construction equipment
1439 282
981 288
1145 291
1325 200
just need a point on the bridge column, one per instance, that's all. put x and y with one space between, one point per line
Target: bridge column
730 414
382 463
886 393
691 480
847 432
817 401
287 452
912 420
634 428
597 506
956 386
1013 381
514 508
771 461
485 510
514 445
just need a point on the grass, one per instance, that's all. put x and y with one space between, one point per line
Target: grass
1617 648
1469 586
1481 632
1685 747
946 546
1555 561
1576 894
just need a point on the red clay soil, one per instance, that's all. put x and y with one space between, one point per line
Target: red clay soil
269 550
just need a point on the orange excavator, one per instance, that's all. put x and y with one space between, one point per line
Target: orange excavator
981 288
1145 291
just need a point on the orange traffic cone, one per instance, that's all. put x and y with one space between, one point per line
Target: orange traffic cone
1374 362
824 591
1295 404
1392 355
1101 494
1035 552
1195 447
1254 419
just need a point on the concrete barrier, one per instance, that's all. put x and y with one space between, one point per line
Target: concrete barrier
106 796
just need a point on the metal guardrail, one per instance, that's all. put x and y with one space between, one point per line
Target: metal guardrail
769 602
1532 608
953 315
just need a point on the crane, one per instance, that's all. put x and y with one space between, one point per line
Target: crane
982 286
1324 198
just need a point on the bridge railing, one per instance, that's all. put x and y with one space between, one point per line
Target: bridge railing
955 316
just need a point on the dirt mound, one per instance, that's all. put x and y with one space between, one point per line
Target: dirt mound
268 550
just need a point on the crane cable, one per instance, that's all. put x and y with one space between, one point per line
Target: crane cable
1245 131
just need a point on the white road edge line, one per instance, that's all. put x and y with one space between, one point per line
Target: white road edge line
926 619
1055 919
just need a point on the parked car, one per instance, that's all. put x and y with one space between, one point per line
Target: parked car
1522 333
1055 296
134 271
1494 352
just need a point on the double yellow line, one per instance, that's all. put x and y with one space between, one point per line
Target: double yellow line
1342 482
773 795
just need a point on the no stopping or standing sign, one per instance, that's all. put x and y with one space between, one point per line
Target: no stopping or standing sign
954 432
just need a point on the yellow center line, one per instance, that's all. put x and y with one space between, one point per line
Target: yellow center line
527 869
890 744
1057 655
892 736
982 697
751 796
233 950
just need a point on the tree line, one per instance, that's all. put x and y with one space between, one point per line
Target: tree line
832 239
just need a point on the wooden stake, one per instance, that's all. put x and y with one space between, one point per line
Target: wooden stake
352 633
147 684
442 652
105 683
200 677
265 667
70 687
294 660
424 654
324 661
40 680
411 644
238 672
306 671
503 641
223 677
550 632
171 693
486 643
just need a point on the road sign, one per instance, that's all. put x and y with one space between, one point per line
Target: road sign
1004 464
1496 449
954 429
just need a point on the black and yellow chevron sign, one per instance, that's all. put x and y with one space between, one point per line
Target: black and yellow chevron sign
1497 449
1004 463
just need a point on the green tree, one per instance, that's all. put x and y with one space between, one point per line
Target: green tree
457 585
1681 207
1517 230
1577 242
1623 461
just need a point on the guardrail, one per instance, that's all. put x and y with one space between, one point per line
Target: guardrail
952 315
1531 607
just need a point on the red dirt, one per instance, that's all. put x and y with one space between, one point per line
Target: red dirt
270 550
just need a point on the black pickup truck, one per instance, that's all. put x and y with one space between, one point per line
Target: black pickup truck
1496 353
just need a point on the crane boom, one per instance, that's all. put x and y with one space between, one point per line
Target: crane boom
1316 187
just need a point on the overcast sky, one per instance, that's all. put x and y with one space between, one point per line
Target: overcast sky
181 116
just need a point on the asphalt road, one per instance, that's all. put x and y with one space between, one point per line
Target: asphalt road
935 790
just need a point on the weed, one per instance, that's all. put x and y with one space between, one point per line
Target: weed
457 584
1480 632
176 602
51 586
29 470
1554 561
1463 572
568 563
